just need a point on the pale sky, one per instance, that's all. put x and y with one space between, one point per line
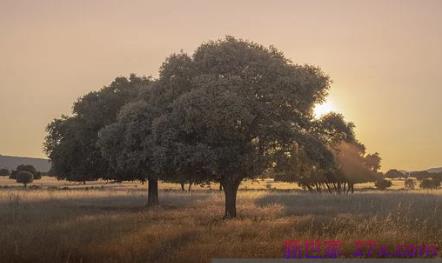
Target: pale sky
385 58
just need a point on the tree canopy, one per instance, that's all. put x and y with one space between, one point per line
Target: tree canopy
240 106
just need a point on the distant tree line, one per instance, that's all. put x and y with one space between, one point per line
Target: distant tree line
233 110
419 175
427 180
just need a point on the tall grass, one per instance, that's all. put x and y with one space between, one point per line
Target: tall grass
114 226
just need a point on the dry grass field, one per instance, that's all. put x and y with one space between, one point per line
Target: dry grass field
99 222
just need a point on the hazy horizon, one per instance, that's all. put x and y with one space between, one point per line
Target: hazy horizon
384 58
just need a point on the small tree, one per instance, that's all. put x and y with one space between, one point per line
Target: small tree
26 167
409 184
4 172
24 177
429 184
373 161
382 184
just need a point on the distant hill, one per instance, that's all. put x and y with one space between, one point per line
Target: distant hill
435 170
11 162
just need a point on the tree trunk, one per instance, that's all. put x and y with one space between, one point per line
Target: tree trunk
182 187
230 187
190 187
152 193
329 188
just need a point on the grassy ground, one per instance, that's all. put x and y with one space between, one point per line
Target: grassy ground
108 223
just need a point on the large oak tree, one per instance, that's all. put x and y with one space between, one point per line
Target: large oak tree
245 105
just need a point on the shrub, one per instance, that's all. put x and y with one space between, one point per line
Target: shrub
24 177
409 184
429 184
4 172
382 184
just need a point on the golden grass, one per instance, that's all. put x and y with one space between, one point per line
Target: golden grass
112 225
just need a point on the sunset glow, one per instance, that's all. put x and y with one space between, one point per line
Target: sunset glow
324 108
382 69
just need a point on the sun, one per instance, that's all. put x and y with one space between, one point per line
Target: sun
324 108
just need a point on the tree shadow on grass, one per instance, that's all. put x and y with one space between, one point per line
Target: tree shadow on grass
58 227
61 207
